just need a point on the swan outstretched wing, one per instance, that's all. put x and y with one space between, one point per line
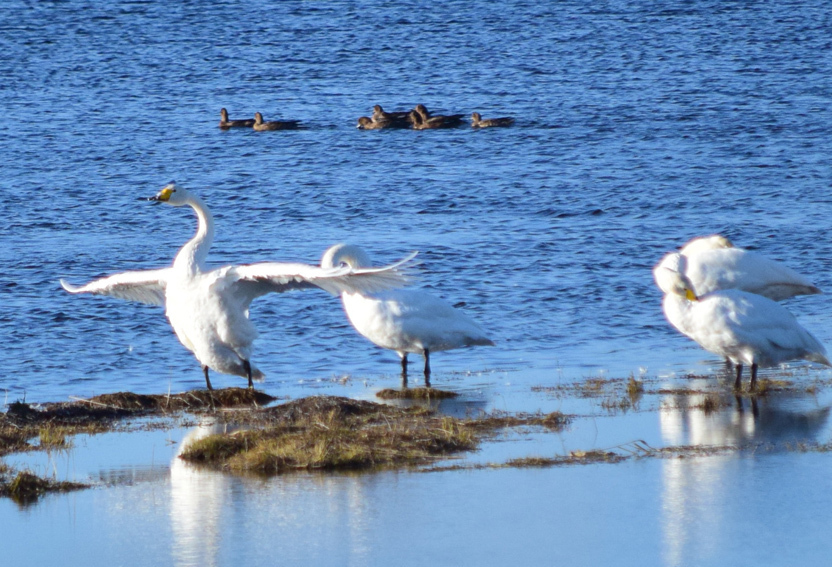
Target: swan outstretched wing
253 280
147 286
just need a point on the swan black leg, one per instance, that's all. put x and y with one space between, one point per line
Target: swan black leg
207 380
738 382
247 366
427 368
404 370
753 385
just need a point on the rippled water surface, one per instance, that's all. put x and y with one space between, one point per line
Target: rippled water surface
639 126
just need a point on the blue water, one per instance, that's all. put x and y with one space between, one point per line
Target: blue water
639 126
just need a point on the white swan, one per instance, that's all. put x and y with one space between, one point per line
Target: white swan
743 327
208 308
712 263
403 320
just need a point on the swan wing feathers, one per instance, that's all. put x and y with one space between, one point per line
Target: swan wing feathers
146 286
253 280
735 268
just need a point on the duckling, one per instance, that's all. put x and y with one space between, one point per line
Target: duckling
261 126
478 122
225 123
434 122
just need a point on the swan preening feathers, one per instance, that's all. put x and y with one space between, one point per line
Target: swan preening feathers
724 299
208 308
712 263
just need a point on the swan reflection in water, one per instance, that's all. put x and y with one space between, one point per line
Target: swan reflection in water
700 494
198 504
209 510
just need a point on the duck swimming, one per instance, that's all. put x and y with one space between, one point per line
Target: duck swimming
225 123
262 126
478 122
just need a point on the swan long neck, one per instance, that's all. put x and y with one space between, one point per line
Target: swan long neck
192 255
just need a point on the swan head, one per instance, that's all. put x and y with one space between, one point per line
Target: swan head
665 271
349 254
669 275
172 195
713 242
675 282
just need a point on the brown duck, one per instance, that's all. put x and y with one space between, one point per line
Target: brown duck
261 126
434 122
478 122
451 119
225 123
379 115
367 123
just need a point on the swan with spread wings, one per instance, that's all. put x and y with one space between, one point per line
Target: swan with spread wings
208 308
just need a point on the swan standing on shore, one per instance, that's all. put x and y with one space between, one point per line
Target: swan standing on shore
208 308
743 327
403 320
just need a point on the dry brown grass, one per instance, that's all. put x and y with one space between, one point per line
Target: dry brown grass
325 433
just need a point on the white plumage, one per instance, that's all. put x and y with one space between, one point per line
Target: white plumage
208 308
403 320
712 263
743 327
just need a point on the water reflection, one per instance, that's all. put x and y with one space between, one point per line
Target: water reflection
696 492
209 509
687 420
198 499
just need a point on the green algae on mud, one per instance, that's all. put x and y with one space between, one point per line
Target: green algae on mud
329 433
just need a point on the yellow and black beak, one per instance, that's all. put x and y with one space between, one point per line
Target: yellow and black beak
163 195
690 296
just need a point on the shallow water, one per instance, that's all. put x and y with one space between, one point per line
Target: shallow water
639 127
729 508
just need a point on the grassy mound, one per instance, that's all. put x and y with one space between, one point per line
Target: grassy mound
327 432
25 487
